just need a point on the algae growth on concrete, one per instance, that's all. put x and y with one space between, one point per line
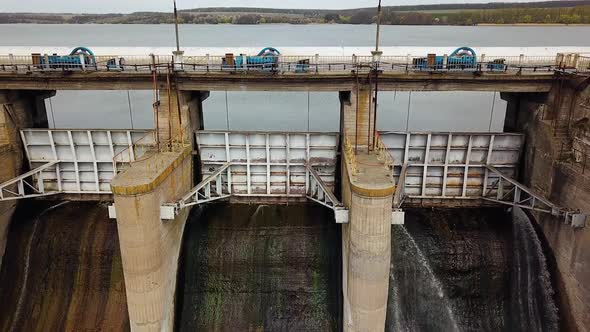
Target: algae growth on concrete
62 270
260 268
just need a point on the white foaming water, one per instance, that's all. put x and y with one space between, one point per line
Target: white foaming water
433 283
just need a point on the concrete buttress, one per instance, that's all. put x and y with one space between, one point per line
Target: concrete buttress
150 247
366 243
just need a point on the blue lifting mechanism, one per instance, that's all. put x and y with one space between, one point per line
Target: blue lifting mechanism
461 58
267 59
80 57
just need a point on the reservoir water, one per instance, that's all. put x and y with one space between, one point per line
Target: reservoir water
288 35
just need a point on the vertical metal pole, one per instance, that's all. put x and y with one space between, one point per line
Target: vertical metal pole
376 69
356 121
176 27
169 92
376 105
370 110
156 111
130 111
378 26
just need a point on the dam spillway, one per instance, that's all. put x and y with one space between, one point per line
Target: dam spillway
262 267
62 270
275 267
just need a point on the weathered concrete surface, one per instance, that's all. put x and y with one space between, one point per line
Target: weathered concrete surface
548 169
366 244
358 117
17 110
178 113
62 270
528 81
150 247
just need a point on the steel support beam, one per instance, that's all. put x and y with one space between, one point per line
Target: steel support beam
28 185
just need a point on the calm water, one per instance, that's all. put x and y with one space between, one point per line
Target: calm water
288 35
459 111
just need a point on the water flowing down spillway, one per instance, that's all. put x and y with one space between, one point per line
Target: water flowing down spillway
260 268
278 268
468 270
533 307
62 270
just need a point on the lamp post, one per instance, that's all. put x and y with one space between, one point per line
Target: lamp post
178 54
376 59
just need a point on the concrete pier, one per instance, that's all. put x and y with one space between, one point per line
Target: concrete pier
366 244
17 110
367 191
150 247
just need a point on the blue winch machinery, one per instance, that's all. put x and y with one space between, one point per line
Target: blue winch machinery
80 57
267 59
462 58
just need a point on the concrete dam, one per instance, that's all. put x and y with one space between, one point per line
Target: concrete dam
183 227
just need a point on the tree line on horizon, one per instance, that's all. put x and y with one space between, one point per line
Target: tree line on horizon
469 14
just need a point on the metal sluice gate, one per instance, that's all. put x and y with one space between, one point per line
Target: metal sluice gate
268 165
274 166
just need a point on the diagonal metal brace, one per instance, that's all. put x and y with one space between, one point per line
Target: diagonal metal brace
518 195
319 192
28 185
209 190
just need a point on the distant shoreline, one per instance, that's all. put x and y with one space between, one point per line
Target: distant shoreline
540 13
314 23
534 24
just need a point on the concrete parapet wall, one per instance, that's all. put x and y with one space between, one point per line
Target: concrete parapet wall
150 247
366 245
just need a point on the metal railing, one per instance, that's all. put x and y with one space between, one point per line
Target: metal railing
350 155
139 150
382 152
304 64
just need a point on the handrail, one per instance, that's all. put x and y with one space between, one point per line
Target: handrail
130 150
350 155
383 152
307 63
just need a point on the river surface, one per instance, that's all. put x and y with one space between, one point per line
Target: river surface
289 35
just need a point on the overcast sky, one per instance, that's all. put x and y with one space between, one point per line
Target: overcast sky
126 6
